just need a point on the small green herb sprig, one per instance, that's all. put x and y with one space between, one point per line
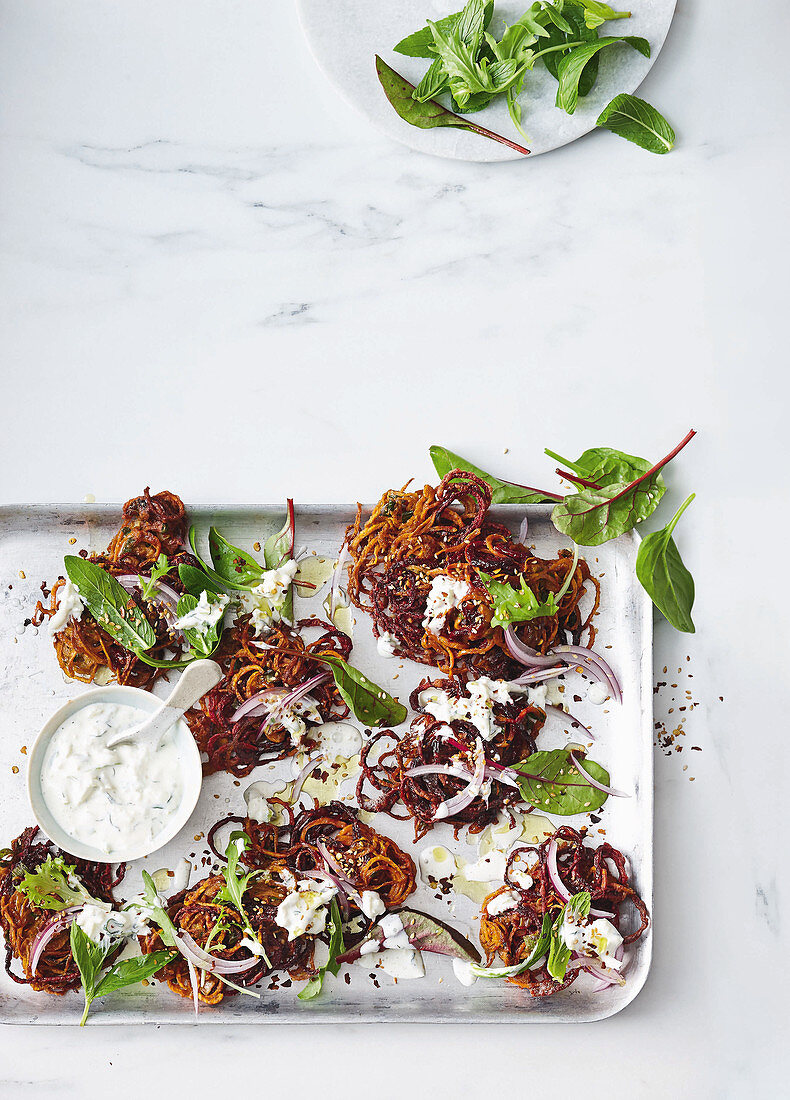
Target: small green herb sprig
612 493
90 958
473 68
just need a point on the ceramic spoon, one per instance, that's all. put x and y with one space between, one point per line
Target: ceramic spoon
195 681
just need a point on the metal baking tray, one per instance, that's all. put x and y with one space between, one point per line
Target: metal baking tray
33 542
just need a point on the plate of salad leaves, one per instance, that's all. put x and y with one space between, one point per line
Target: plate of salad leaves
494 80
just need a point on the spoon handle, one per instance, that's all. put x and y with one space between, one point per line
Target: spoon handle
195 681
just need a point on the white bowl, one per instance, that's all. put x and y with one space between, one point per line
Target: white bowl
189 757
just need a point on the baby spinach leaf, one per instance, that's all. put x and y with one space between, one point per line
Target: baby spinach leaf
638 121
664 577
428 115
504 492
604 465
420 44
559 38
110 604
368 702
336 947
202 641
237 568
516 605
196 581
550 782
572 66
592 516
131 971
218 580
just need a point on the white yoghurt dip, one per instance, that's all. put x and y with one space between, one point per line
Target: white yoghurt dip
117 799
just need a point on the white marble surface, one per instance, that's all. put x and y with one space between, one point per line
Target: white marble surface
216 277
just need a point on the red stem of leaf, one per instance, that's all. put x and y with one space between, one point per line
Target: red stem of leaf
653 469
577 480
496 137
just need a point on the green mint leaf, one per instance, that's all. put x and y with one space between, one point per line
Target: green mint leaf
639 122
336 947
431 114
559 42
572 66
662 574
131 971
559 954
420 44
204 640
48 887
110 604
516 605
89 957
367 701
550 782
504 492
540 945
433 83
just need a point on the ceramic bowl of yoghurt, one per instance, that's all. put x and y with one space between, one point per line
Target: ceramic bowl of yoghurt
112 804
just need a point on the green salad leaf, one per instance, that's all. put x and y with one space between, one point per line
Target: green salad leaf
604 466
196 581
420 44
430 114
516 605
540 945
90 958
638 121
550 782
53 885
596 13
159 569
237 568
336 947
504 492
559 954
202 640
572 66
662 574
110 604
368 702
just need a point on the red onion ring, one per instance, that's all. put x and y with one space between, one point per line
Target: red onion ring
541 674
523 530
566 716
594 782
556 881
255 704
57 924
587 660
342 896
294 697
202 959
309 767
169 597
465 797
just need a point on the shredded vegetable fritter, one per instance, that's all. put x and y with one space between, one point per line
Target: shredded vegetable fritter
280 663
23 922
601 871
412 537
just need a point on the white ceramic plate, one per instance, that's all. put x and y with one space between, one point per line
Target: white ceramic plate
345 36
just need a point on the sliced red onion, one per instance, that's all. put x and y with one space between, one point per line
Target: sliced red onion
590 661
558 884
523 530
256 704
594 782
566 716
192 981
440 769
167 595
202 959
332 863
541 674
342 891
502 775
334 588
605 981
50 930
465 797
309 767
294 696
